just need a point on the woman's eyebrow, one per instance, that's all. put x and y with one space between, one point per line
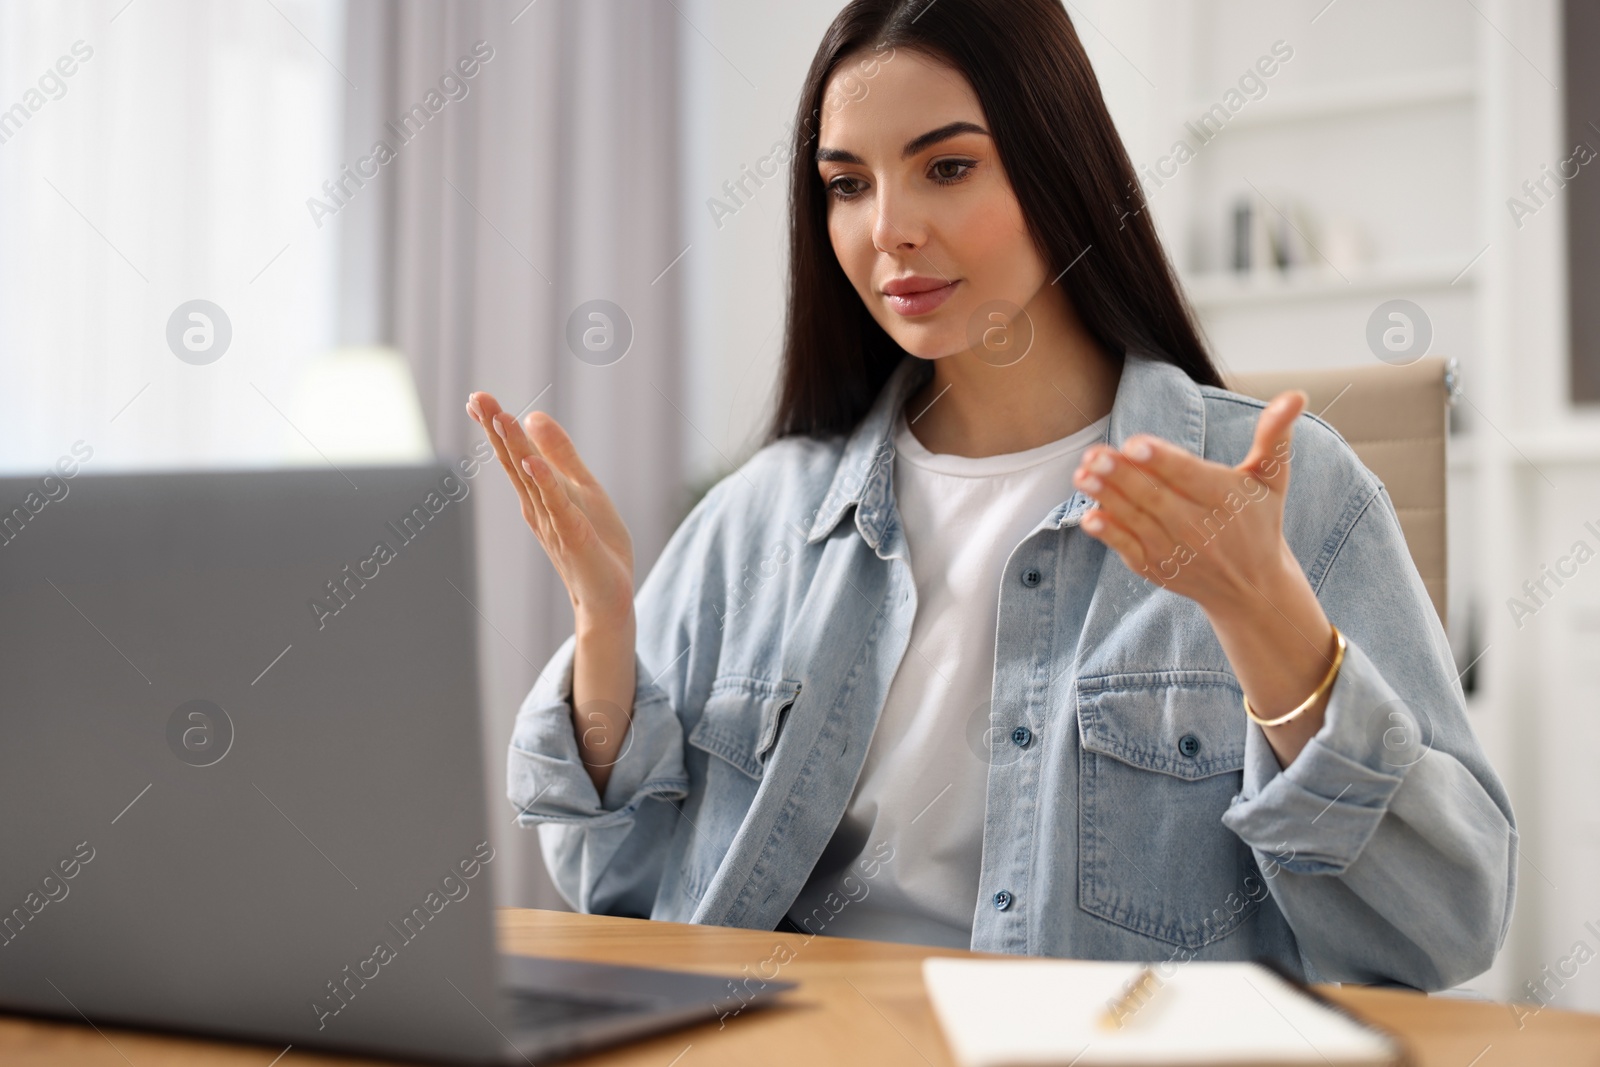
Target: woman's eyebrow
913 146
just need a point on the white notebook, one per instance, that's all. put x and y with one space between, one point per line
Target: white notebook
1008 1013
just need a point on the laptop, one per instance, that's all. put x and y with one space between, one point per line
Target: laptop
242 783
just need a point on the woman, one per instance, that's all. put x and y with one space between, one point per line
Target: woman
1014 635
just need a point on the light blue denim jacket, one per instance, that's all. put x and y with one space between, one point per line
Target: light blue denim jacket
1146 817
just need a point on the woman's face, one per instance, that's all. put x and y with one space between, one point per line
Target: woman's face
917 200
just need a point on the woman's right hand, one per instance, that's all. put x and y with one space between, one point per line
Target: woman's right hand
566 509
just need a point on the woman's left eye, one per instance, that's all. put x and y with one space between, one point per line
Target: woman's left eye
944 177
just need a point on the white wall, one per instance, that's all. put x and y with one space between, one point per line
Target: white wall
1537 478
744 64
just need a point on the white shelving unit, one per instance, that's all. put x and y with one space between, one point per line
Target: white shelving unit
1336 134
1448 85
1219 291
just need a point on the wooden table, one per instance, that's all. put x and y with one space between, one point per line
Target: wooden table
857 1002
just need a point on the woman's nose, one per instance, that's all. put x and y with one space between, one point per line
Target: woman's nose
897 225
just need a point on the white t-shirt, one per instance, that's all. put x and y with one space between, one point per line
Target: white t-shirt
920 797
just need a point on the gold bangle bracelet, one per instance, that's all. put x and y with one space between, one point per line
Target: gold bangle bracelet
1322 687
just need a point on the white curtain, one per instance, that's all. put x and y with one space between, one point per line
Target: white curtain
545 179
152 154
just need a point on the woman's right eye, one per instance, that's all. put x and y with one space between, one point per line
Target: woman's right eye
836 189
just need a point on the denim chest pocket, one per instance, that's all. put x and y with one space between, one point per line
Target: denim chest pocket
741 720
739 728
1162 758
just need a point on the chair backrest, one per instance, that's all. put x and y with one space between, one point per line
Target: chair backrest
1396 419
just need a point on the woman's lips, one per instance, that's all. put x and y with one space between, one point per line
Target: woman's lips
913 304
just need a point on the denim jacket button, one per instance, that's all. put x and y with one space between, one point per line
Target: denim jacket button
1021 737
1031 577
1189 745
1002 900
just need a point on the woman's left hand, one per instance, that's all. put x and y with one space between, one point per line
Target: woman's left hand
1214 533
1211 532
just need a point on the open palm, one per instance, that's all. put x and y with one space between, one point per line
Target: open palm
565 507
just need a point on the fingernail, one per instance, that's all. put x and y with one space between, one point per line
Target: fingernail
527 465
1091 484
1140 450
1092 521
472 409
500 425
1102 463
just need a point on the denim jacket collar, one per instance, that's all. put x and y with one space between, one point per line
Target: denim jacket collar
1152 397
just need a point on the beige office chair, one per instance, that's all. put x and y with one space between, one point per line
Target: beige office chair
1396 420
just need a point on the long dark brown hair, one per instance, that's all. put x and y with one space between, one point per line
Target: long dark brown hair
1068 169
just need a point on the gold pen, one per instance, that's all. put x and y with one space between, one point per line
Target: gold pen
1133 996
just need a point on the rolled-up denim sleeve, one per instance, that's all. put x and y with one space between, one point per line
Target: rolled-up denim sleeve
545 774
1389 842
603 852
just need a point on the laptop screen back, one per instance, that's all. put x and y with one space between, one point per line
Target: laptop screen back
240 768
